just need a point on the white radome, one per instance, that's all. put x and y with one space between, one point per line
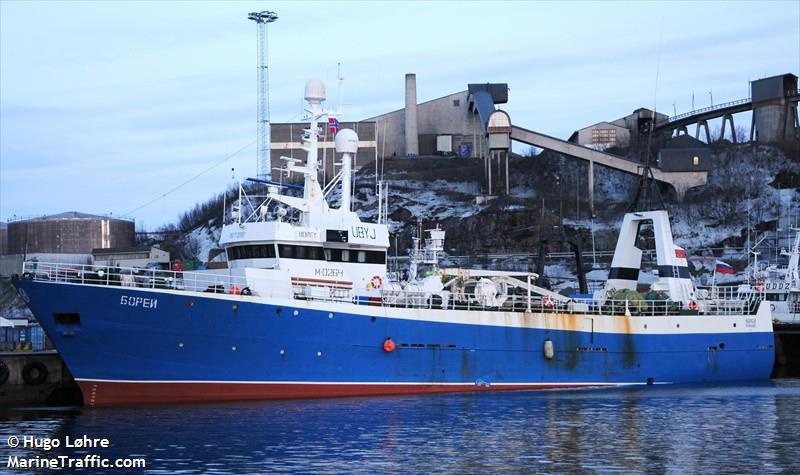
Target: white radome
346 141
315 90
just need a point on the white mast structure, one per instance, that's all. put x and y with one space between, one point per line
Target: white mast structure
264 168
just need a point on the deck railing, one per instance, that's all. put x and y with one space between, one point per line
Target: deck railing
133 277
719 301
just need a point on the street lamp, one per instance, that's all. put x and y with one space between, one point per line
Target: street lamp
264 139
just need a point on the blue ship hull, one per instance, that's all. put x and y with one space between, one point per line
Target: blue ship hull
135 346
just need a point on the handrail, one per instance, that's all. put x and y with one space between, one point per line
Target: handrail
708 109
718 301
720 107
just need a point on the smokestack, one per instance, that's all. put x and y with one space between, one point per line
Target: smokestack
412 138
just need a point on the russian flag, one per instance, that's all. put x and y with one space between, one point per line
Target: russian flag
333 125
724 268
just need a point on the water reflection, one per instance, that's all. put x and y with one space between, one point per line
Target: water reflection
687 429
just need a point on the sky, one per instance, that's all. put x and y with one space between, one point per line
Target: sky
109 107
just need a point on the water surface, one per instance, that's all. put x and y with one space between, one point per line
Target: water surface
741 428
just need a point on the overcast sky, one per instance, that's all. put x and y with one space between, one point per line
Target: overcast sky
105 106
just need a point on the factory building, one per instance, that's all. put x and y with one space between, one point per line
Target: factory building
603 135
623 132
442 126
775 117
285 142
446 126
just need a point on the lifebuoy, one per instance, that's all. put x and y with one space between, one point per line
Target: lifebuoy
388 345
693 305
4 372
34 373
548 301
772 307
759 286
375 283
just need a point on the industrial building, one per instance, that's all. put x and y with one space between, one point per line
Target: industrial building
446 126
467 124
775 117
622 132
684 154
443 126
286 143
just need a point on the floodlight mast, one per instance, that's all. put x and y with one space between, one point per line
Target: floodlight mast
264 168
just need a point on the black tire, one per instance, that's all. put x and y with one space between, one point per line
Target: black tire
247 291
34 373
4 373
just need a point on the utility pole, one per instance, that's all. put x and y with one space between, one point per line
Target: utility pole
264 168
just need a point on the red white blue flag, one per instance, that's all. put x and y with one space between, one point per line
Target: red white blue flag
333 125
723 268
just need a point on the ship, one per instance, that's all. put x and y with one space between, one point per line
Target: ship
307 309
780 283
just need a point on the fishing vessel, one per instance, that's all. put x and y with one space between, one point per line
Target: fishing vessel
780 284
306 309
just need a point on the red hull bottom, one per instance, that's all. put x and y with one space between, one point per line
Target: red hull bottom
111 393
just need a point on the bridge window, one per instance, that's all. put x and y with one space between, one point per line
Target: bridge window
263 251
290 251
360 257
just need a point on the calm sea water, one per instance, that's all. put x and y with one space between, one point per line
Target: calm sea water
742 428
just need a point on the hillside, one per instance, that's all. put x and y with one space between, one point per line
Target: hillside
546 190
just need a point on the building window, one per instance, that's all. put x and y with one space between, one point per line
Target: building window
695 160
456 102
604 137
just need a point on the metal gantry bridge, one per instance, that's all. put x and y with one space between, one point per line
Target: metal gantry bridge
702 116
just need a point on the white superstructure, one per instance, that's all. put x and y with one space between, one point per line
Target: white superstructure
319 248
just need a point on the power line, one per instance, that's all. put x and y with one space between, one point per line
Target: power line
228 157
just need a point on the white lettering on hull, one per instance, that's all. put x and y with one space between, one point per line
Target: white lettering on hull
327 272
143 302
362 232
